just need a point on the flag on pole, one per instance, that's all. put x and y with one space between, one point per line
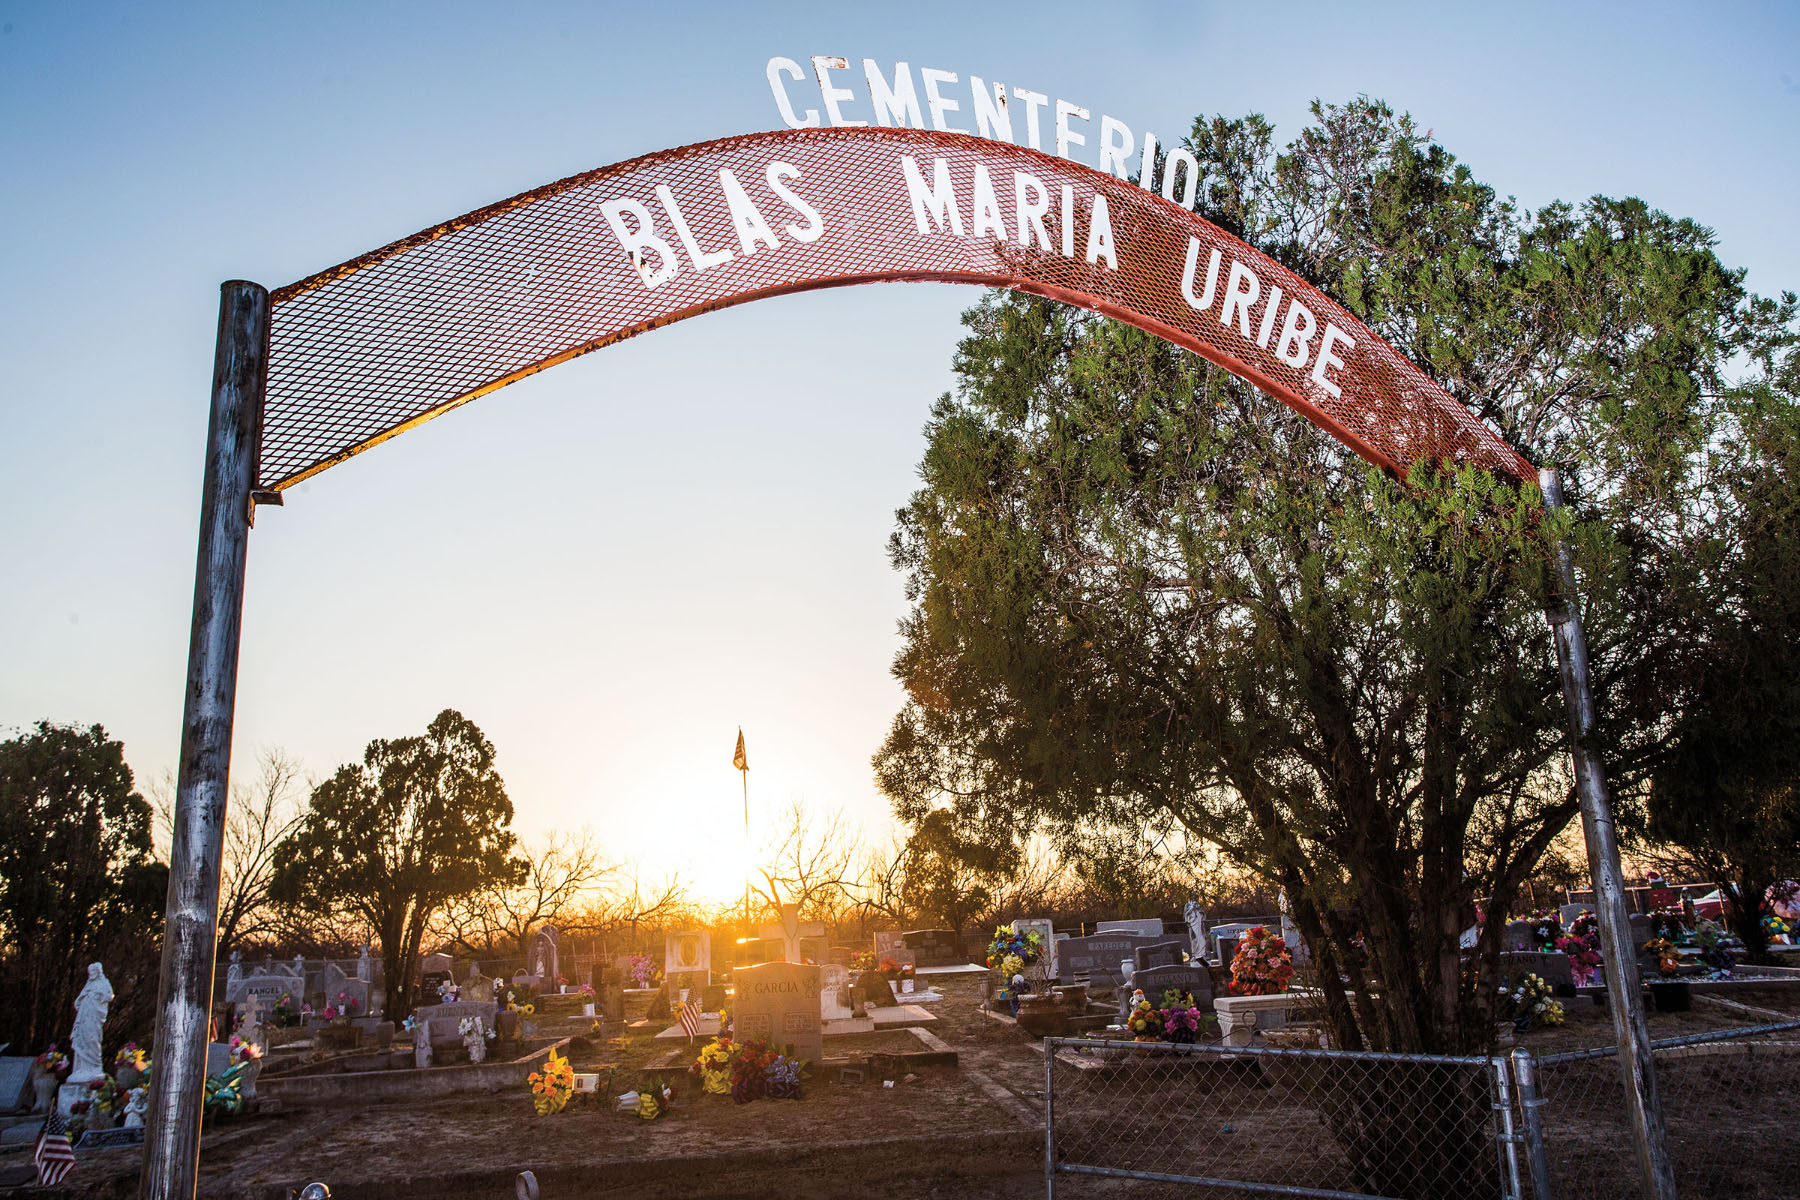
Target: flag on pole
690 1018
738 761
54 1157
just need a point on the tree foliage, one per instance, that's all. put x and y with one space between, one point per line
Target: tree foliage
77 881
1727 798
1143 591
417 823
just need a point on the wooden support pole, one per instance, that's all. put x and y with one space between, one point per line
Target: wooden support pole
191 924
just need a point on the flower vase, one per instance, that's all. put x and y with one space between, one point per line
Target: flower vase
127 1078
247 1078
44 1092
906 987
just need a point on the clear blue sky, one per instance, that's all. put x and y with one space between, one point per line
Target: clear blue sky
613 564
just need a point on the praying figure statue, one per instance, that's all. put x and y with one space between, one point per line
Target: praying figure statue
90 1023
137 1107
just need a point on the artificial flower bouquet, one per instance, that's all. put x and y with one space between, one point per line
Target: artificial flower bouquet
131 1058
713 1066
643 970
52 1061
1546 928
1668 963
1584 955
759 1072
862 960
1263 964
242 1051
655 1099
1013 952
551 1087
1776 928
1532 1003
1144 1021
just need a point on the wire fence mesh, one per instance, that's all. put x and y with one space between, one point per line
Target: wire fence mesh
1728 1104
1148 1119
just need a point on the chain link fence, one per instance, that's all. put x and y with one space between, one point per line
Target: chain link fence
1144 1119
1144 1116
1728 1103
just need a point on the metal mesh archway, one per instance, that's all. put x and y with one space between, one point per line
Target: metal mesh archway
370 348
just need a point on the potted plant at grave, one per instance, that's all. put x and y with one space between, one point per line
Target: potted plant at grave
129 1065
48 1071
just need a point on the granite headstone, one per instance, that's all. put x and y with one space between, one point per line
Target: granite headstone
779 1003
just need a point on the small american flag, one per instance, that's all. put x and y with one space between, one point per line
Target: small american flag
54 1156
690 1018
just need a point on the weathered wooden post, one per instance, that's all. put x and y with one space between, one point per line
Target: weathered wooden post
1625 997
190 930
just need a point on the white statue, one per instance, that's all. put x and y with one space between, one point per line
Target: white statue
300 968
235 972
1196 925
137 1107
364 971
90 1023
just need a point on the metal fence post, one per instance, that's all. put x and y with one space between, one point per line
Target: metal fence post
191 921
1049 1119
1624 997
1531 1105
1506 1138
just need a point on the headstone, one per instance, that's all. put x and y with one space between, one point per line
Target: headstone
840 956
1518 936
1569 912
1141 927
442 1021
1046 931
15 1082
834 987
887 942
1185 977
1096 957
1553 969
1195 917
268 988
100 1139
779 1002
435 963
688 954
1641 929
1156 955
478 989
790 930
218 1058
544 960
934 947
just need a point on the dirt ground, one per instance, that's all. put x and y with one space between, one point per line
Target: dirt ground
970 1130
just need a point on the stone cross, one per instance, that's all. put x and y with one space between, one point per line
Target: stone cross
790 931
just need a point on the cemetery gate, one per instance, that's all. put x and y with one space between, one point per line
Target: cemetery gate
334 364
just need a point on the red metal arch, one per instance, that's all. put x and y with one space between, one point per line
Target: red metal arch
367 349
